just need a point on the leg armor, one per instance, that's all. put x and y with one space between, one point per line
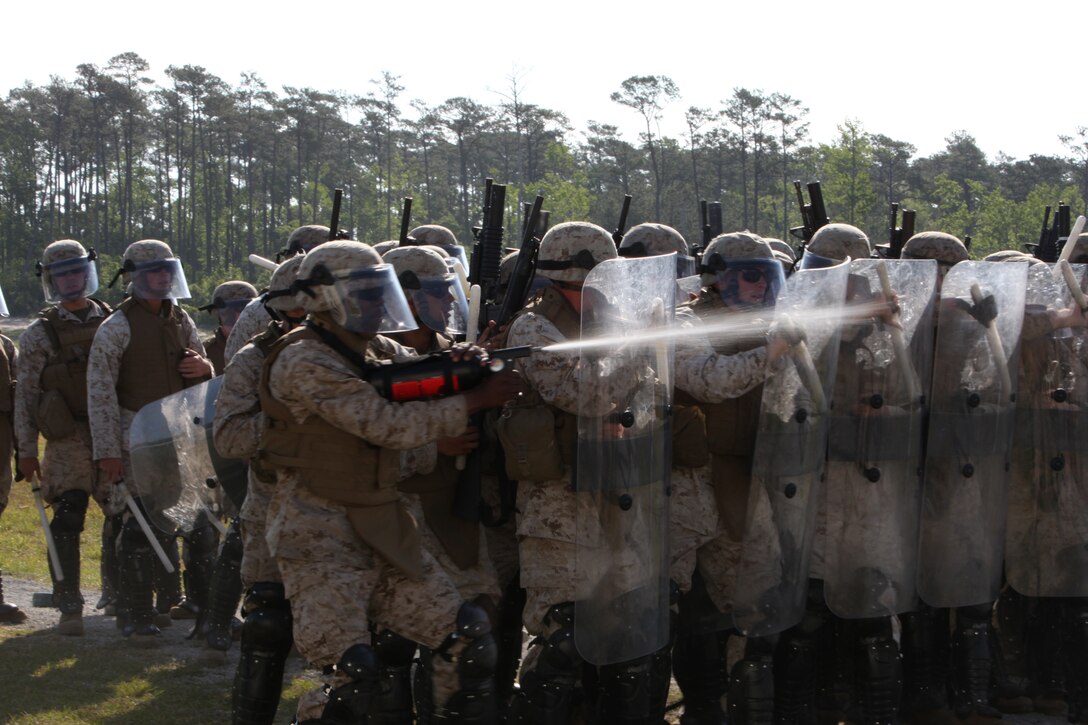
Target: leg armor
266 642
199 553
971 662
698 660
224 593
137 589
924 643
795 661
167 585
110 566
508 640
546 696
393 702
1076 651
69 513
752 686
474 700
626 695
9 613
879 672
350 703
1045 657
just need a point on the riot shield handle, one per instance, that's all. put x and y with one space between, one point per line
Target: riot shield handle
1074 286
899 340
997 349
35 482
263 262
144 526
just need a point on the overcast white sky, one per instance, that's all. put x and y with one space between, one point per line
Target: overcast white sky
1008 73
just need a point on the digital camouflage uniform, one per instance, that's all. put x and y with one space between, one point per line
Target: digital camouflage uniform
9 613
113 350
333 579
253 320
69 475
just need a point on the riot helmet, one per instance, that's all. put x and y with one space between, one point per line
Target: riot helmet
835 243
68 271
154 271
569 250
439 236
742 268
348 281
228 300
650 239
433 289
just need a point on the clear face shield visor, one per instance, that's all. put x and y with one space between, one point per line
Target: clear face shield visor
750 282
159 279
370 301
69 279
440 302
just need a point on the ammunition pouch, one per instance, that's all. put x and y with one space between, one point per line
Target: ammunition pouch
54 417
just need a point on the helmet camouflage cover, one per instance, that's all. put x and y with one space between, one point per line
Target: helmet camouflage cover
569 250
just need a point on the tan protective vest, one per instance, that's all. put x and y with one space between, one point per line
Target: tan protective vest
341 467
149 366
66 368
522 427
731 432
215 347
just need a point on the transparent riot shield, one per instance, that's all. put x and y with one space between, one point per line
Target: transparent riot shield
171 458
790 453
1046 542
621 476
874 481
972 406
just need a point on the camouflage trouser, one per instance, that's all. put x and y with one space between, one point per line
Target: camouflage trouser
68 465
548 549
257 563
502 542
472 582
337 585
720 559
693 521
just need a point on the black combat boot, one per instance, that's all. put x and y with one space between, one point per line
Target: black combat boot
553 668
972 665
351 703
9 613
878 671
393 703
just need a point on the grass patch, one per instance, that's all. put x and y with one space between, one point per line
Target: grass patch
22 542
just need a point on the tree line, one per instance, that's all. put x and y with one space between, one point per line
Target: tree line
221 171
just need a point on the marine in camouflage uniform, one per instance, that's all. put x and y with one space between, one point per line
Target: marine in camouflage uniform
720 376
228 301
266 630
540 445
925 640
344 538
865 642
147 349
254 318
699 543
9 613
52 401
440 310
1042 614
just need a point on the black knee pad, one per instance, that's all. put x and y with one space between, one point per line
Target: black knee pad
394 650
232 544
69 512
264 595
478 659
202 541
351 702
268 629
